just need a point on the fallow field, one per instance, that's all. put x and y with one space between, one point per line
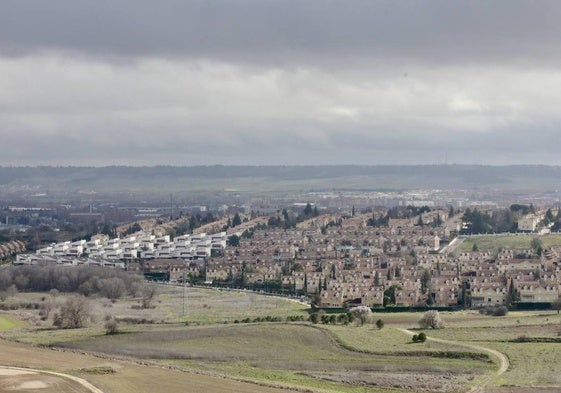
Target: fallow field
197 337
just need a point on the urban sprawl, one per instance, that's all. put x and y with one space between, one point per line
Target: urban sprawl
337 260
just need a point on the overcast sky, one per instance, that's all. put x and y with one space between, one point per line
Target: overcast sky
143 82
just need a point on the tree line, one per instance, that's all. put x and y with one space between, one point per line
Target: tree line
85 280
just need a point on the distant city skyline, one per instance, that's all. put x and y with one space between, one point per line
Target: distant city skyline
260 82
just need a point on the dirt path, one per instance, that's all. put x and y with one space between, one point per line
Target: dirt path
5 370
486 380
129 376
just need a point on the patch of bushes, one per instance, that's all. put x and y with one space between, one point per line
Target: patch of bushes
446 354
100 370
419 338
268 318
18 306
135 321
526 339
494 311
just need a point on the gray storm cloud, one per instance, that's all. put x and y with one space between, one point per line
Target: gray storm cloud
279 82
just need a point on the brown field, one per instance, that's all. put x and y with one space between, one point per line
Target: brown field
127 378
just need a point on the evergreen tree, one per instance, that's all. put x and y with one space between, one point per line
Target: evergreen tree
512 294
236 220
425 281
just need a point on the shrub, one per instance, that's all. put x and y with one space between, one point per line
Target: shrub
361 313
45 310
422 337
111 327
342 318
350 317
495 311
379 324
415 338
314 317
432 320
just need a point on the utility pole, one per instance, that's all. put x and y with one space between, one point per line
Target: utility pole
184 289
183 298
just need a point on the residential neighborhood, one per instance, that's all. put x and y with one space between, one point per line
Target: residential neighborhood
338 260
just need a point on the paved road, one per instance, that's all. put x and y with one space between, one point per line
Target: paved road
483 382
452 246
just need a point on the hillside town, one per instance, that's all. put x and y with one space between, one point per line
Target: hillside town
338 260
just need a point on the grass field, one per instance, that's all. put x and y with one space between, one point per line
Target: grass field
514 242
322 358
289 353
531 364
9 323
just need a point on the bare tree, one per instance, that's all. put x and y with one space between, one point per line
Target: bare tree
111 326
431 319
74 313
147 294
112 288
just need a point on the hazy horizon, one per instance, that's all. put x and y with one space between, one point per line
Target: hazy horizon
258 82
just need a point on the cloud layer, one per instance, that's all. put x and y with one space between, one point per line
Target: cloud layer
268 82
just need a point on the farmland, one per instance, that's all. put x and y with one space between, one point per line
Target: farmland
208 343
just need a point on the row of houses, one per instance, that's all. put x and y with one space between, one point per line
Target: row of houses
139 246
353 263
339 260
11 248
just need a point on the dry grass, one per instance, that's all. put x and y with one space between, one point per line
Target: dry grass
297 354
293 355
128 377
515 242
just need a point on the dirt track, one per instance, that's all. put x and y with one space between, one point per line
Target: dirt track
129 377
26 380
485 381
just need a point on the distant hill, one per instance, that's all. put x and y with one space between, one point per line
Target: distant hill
264 179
